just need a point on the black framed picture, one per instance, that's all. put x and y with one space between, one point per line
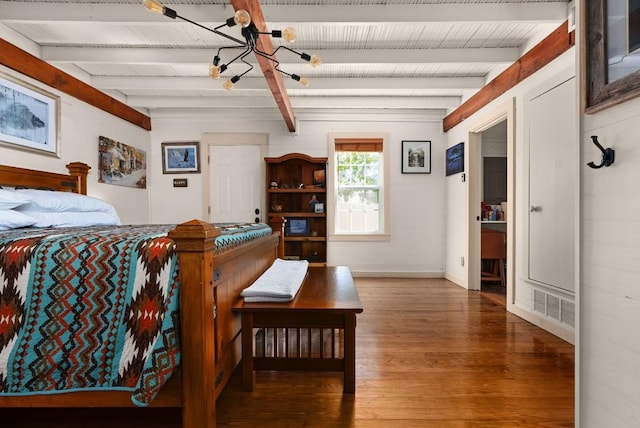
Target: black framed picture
181 158
297 227
455 159
416 157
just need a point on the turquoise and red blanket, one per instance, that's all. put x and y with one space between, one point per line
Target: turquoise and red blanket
85 309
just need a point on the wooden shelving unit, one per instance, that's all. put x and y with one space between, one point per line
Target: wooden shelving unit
298 179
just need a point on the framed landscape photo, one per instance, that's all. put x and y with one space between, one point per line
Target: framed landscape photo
181 158
416 157
30 117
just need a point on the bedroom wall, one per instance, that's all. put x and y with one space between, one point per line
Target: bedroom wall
610 271
80 127
417 243
456 190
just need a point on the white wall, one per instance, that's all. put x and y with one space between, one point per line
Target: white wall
609 355
80 127
456 191
417 243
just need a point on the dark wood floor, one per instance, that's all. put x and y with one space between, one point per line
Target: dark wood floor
430 354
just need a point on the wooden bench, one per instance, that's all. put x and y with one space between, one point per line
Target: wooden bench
313 332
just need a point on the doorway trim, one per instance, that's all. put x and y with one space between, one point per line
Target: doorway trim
474 169
240 139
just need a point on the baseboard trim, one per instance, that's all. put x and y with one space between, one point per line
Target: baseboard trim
378 274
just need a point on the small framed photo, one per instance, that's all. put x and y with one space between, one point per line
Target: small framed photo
416 157
318 207
30 117
297 227
181 158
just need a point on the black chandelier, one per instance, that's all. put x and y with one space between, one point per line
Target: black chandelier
250 33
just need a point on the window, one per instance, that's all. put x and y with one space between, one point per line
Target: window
612 50
358 188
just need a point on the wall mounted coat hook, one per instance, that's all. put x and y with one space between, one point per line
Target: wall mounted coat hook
608 155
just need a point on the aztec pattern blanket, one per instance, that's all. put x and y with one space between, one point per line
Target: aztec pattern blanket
92 308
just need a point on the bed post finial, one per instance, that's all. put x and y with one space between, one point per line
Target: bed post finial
79 170
277 225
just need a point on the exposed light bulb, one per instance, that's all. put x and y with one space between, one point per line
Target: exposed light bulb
289 34
315 61
214 71
304 81
228 85
153 6
242 18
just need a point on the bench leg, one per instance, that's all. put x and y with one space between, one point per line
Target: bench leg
248 375
350 353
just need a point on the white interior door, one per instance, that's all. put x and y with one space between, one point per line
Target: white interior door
235 191
552 186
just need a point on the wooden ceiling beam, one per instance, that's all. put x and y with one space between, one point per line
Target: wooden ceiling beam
273 76
23 62
551 47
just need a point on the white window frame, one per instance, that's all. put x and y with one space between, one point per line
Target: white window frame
384 234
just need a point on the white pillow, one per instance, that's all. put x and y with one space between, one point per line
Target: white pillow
49 201
10 219
10 199
73 219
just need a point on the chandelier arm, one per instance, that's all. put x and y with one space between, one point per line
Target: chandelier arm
286 48
250 65
267 56
246 52
226 36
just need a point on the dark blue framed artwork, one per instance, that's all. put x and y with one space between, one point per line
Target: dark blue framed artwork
181 158
455 159
297 227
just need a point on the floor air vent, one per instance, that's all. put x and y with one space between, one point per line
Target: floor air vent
554 307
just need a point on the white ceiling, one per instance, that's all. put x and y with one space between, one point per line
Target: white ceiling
377 54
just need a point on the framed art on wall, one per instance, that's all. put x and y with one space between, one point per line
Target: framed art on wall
181 158
455 159
121 164
30 117
611 53
416 157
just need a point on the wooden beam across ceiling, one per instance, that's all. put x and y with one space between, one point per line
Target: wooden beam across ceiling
23 62
272 76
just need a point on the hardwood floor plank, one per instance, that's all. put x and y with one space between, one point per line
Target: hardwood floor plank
429 354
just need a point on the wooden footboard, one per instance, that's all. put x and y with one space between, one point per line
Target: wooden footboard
210 286
210 332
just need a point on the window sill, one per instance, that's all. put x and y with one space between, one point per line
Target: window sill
360 237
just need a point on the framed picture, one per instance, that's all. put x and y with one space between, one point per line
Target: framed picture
455 159
612 69
296 227
416 157
121 164
30 117
181 158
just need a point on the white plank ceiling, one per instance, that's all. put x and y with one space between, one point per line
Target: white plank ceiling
377 54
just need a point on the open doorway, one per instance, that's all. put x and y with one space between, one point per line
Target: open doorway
493 224
489 209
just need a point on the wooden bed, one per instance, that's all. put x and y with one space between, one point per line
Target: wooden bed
210 284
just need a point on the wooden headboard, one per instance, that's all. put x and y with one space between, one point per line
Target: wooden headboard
75 181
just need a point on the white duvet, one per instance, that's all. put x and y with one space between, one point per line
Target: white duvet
279 283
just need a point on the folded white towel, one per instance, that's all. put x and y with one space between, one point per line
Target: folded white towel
279 283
